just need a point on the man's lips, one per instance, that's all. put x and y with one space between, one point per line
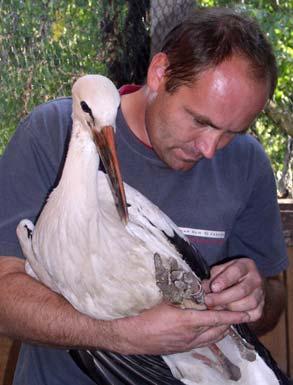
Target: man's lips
190 155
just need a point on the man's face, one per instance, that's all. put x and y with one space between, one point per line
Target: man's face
195 121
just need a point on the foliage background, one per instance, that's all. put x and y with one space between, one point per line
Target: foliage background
274 128
46 44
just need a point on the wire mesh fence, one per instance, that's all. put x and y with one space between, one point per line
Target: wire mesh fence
46 44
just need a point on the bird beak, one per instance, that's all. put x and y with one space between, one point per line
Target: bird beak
105 142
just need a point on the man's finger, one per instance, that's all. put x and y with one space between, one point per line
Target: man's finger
210 336
232 274
236 293
213 318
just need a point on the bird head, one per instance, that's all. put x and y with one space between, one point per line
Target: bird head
95 103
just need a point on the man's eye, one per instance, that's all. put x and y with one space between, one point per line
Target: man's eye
198 123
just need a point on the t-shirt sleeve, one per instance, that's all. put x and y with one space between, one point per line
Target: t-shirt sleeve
257 231
30 167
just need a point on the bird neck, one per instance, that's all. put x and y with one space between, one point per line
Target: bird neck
79 176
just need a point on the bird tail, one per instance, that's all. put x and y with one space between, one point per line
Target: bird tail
111 368
24 233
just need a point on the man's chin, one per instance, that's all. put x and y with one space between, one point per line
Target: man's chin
179 163
184 165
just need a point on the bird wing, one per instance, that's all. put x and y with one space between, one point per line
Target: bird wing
148 217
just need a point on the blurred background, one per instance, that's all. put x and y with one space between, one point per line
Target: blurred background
46 44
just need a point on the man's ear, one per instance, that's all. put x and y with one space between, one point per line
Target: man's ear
156 71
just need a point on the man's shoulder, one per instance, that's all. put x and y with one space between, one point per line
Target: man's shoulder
52 110
46 131
50 121
247 142
242 162
246 149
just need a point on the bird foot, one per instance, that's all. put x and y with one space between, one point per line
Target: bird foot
246 350
176 284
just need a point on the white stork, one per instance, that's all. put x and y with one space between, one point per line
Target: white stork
82 249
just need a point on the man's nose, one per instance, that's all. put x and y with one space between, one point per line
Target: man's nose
208 142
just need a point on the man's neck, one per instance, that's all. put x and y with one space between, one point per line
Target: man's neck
133 107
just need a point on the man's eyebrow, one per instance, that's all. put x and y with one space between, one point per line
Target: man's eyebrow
202 119
206 121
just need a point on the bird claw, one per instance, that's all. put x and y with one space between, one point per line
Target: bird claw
176 284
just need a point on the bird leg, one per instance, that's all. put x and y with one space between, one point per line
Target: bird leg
184 288
220 364
207 361
230 371
246 350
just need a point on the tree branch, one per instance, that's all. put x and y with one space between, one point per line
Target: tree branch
281 117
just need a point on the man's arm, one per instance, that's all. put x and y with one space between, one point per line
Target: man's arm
275 299
31 312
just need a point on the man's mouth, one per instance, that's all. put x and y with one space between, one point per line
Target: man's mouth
190 155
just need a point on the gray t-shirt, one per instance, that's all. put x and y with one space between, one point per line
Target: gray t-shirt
226 205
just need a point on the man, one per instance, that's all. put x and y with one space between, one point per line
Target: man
182 141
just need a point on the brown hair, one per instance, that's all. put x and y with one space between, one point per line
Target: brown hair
212 35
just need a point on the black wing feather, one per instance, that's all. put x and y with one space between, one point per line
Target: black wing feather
191 255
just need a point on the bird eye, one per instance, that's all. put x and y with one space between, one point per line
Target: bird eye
85 107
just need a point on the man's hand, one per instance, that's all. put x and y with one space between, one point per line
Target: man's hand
236 286
167 329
